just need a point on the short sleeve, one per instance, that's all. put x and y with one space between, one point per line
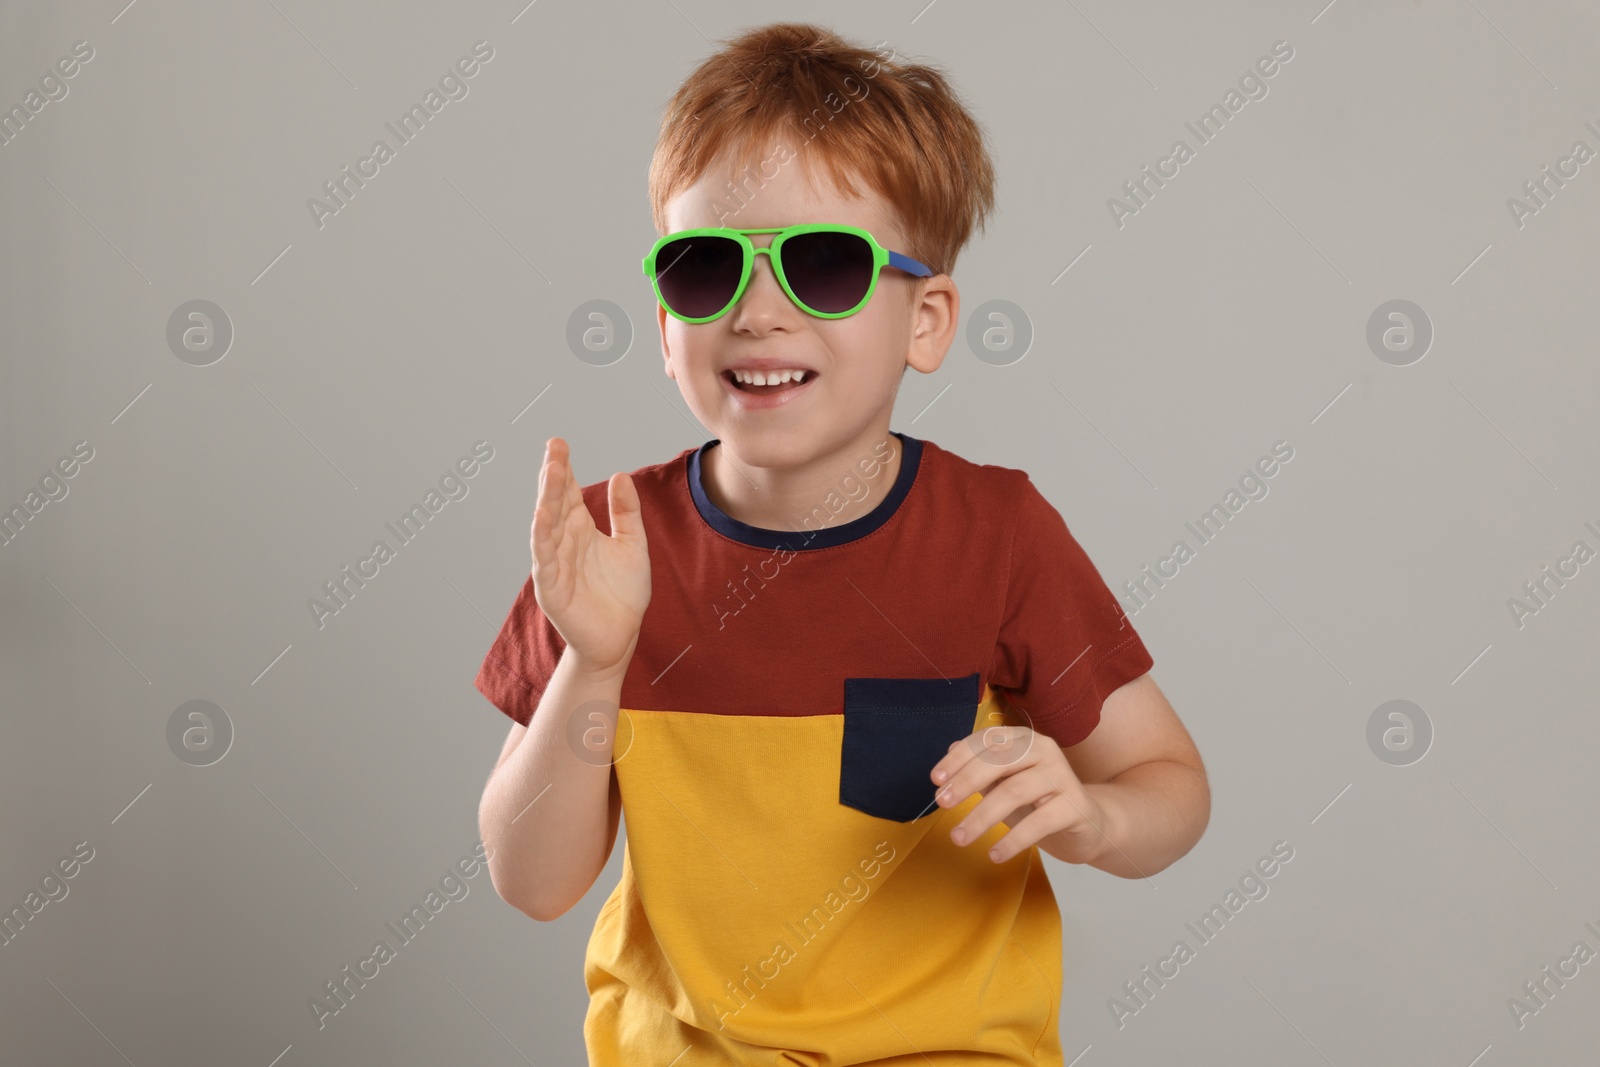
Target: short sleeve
1065 643
522 658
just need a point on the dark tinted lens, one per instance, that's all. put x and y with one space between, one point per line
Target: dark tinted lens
698 275
829 272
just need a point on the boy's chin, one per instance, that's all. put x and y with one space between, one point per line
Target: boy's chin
775 447
766 447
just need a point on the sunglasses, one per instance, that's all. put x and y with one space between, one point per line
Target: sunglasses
829 271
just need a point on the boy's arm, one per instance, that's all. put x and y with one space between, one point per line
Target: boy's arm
551 806
1142 767
549 813
1110 778
614 803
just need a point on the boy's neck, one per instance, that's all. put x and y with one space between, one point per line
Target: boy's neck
782 498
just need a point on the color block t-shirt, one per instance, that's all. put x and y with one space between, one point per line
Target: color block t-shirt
789 890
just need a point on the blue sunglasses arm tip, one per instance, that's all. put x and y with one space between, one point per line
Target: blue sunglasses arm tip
909 265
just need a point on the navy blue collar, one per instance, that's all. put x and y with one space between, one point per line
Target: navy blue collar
825 537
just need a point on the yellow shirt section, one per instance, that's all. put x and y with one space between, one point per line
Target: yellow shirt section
759 920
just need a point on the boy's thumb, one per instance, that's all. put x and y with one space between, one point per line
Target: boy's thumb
627 521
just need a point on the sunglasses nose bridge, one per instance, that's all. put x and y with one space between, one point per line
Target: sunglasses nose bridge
755 262
777 288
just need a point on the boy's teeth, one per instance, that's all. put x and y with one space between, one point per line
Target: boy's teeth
769 377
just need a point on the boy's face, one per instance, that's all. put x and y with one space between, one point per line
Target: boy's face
854 363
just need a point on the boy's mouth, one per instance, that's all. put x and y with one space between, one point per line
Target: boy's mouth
773 382
773 393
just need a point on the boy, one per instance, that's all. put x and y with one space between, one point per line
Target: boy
772 650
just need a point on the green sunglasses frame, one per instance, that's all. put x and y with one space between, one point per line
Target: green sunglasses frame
881 257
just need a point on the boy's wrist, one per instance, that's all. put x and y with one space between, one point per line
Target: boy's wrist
1107 802
1150 815
601 672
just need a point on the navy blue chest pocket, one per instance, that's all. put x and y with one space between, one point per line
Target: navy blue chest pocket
895 730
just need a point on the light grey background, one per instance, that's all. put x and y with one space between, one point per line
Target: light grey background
369 355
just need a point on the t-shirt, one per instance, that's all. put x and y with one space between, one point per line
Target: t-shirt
789 890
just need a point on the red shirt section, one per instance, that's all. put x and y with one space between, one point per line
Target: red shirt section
962 568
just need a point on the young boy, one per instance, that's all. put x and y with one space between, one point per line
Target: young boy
772 650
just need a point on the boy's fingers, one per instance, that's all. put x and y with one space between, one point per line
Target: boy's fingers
553 447
544 528
552 497
623 497
574 494
976 774
951 762
553 502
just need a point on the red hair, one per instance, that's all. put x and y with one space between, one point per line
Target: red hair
795 89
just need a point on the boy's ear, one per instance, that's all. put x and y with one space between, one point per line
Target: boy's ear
661 325
936 316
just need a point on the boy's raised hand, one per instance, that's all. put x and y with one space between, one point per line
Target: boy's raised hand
594 589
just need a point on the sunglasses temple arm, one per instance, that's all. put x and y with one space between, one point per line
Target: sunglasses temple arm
909 265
